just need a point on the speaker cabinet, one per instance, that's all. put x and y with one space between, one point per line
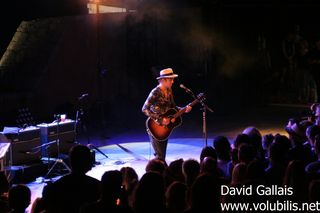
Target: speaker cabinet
23 152
25 146
57 138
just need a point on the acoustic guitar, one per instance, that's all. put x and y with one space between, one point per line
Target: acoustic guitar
162 132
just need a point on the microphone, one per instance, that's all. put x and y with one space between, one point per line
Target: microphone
83 96
185 88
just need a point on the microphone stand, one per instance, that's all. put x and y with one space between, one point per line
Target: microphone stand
204 120
80 114
204 112
58 160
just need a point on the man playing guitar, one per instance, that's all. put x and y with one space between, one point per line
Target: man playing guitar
159 101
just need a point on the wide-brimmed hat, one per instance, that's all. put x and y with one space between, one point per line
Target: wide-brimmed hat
167 73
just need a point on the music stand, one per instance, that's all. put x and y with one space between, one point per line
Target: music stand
58 159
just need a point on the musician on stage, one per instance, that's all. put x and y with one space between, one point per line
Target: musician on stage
159 101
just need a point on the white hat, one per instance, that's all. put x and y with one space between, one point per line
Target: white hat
167 73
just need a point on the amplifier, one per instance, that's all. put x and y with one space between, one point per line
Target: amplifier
57 137
24 146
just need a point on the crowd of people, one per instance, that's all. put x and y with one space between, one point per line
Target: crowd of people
188 185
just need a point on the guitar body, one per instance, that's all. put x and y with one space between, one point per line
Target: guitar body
161 132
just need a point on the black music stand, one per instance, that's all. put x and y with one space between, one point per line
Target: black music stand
58 160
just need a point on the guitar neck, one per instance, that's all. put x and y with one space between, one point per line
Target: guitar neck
183 110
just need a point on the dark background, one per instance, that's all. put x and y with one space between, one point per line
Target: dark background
212 45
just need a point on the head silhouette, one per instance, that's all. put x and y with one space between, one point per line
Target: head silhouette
80 159
223 148
111 182
208 151
19 198
149 194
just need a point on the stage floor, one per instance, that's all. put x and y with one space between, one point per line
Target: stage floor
135 155
127 144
